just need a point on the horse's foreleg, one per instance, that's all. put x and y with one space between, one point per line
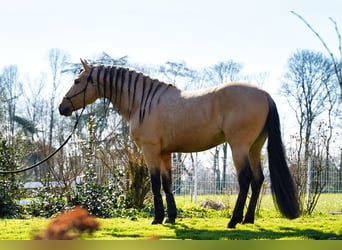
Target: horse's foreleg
152 158
157 197
244 178
170 200
167 186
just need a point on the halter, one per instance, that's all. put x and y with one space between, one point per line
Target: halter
83 91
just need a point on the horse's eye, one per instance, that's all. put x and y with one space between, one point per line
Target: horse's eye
77 81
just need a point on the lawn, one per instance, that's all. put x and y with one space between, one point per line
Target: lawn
206 224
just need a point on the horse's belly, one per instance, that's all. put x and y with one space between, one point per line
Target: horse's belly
188 143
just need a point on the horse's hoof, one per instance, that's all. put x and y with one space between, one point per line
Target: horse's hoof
156 222
170 221
231 225
248 221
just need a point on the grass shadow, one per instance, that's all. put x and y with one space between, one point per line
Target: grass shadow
185 232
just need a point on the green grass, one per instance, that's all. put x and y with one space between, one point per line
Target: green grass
206 224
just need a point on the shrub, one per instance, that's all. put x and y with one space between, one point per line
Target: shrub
46 202
10 187
99 200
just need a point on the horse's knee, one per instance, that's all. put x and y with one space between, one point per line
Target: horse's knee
155 181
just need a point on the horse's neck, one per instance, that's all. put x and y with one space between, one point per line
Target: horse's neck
133 94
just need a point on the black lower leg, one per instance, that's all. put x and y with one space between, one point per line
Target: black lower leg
158 210
244 179
171 209
256 187
157 198
170 200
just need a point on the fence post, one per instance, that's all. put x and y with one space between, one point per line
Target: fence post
195 177
308 182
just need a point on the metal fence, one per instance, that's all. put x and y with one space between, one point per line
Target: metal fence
199 178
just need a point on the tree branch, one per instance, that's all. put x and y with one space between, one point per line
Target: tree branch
338 36
336 65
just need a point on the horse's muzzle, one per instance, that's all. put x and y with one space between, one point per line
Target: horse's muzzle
65 109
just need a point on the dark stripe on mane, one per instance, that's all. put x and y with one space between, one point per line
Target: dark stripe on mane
105 81
134 89
117 74
148 95
129 92
111 77
142 112
99 69
122 81
154 93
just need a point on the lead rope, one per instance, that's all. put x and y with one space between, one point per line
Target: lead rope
50 155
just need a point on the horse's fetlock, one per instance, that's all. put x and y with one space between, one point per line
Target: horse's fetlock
157 221
170 220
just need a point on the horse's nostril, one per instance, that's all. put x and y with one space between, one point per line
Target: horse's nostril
64 110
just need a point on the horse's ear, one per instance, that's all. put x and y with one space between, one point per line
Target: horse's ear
85 65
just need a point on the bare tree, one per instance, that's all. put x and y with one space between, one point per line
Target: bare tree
178 73
309 92
304 87
258 79
105 58
223 72
57 60
34 100
336 62
12 90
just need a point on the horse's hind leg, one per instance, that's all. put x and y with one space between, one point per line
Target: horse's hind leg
244 178
257 177
256 184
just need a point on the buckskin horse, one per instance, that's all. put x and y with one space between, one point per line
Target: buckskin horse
164 119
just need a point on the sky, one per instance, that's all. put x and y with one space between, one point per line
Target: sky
260 34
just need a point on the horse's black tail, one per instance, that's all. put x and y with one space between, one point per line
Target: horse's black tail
282 185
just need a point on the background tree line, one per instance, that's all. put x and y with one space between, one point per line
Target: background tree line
102 153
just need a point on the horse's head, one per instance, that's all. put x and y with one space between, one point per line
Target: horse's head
82 92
